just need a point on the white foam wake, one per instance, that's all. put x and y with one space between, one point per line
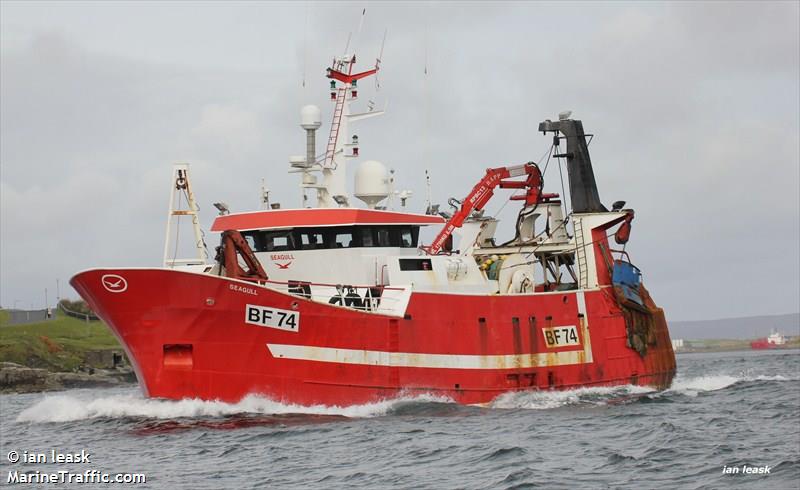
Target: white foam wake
714 382
693 386
543 400
65 408
70 407
689 386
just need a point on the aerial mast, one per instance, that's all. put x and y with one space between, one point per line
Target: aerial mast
341 146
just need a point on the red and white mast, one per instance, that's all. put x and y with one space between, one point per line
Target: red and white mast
341 146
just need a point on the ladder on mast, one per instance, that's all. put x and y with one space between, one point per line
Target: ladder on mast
580 254
341 95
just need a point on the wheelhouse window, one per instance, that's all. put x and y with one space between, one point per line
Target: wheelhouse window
310 240
367 237
404 236
343 239
387 236
383 235
280 242
251 240
270 241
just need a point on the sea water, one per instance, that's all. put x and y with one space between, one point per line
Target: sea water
730 420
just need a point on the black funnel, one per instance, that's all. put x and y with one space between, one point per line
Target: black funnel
582 186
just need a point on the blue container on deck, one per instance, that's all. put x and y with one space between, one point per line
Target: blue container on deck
627 277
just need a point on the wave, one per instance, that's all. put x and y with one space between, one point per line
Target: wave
695 385
67 408
596 395
776 377
614 395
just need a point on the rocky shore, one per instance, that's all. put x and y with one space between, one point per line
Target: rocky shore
16 378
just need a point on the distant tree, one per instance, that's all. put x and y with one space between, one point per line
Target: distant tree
78 306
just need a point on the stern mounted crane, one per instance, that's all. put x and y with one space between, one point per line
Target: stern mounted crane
483 192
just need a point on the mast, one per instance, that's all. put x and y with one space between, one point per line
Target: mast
181 188
334 171
582 186
341 146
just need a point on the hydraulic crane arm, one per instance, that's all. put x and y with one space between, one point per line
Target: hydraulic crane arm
233 244
483 192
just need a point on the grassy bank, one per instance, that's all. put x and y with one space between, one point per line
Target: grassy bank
724 345
57 345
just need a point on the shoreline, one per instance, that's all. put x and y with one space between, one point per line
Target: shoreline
60 353
17 379
728 345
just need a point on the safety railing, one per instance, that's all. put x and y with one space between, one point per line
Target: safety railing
358 297
76 314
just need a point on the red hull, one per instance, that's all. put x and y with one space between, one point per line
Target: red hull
762 344
186 336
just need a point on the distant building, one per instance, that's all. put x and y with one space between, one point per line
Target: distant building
677 344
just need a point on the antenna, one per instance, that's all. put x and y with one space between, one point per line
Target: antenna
428 190
426 114
264 195
305 48
383 43
391 189
379 58
361 21
347 45
358 32
425 41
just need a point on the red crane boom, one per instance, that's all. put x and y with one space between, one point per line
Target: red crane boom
483 192
233 244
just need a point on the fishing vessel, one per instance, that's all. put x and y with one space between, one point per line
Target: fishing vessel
337 304
774 341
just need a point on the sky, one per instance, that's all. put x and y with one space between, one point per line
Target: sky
694 106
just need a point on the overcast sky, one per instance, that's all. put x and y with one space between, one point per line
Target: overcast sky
694 106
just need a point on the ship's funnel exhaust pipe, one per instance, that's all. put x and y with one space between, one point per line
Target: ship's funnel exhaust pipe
582 186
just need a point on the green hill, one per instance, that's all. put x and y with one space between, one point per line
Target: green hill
58 345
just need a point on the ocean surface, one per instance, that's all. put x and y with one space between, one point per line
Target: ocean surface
725 411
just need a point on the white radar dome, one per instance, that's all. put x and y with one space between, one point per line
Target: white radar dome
310 117
372 183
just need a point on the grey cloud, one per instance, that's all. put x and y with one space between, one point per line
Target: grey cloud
695 108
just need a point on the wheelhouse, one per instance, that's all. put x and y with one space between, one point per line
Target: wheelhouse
346 246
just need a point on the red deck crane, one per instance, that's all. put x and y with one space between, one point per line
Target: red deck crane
483 192
232 245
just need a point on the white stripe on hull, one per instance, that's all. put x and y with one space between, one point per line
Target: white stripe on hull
434 361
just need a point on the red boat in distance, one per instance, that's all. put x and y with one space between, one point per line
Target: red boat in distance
775 340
